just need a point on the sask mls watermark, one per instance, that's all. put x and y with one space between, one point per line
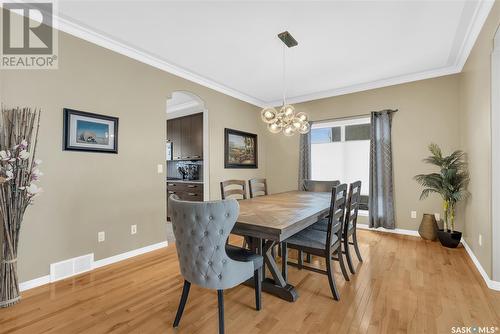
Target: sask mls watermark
474 330
29 38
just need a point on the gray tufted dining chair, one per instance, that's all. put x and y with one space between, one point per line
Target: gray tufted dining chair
201 230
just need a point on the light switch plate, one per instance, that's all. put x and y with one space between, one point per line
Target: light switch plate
101 236
480 240
133 229
414 214
160 169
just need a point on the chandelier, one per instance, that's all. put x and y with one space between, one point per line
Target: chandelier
285 120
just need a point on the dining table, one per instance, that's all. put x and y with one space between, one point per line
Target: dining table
266 221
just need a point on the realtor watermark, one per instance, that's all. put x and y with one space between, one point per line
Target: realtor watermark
29 35
474 330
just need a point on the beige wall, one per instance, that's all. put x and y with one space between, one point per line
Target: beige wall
475 134
90 192
428 112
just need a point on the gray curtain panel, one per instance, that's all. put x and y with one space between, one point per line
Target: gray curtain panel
381 203
304 159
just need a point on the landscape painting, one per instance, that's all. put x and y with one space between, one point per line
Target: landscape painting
240 149
90 132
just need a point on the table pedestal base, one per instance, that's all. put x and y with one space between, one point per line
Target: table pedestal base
286 292
276 285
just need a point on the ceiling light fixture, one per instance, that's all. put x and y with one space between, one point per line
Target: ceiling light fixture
285 120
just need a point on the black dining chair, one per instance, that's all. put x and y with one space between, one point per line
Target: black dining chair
327 245
349 228
317 186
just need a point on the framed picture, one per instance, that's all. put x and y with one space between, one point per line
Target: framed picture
89 132
240 149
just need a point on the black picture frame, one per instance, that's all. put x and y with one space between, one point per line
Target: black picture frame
228 161
68 132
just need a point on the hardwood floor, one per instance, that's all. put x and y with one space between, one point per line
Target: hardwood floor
405 285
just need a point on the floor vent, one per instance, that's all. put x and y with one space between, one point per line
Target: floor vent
71 267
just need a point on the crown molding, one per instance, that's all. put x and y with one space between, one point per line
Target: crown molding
371 85
99 39
479 15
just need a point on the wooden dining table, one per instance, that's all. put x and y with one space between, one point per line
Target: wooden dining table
265 221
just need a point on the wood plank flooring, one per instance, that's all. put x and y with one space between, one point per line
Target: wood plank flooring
405 285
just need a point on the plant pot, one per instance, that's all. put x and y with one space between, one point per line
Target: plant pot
428 227
449 239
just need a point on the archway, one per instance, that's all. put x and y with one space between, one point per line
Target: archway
183 103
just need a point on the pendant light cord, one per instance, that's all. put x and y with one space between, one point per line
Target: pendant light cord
284 77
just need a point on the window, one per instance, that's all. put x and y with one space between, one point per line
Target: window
357 132
322 135
325 135
340 150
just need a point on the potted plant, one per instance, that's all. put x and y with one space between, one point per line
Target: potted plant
450 183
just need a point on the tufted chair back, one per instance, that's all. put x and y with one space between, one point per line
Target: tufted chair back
201 230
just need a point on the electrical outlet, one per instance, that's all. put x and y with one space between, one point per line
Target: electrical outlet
437 216
101 236
480 240
414 214
133 229
160 169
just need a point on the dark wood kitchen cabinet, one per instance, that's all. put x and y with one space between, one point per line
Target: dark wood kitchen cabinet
186 135
187 191
186 149
197 136
174 136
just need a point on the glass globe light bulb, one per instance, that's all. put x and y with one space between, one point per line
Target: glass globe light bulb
288 112
289 130
302 116
304 128
269 115
297 123
274 128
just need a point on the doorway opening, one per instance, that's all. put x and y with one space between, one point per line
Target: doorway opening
187 149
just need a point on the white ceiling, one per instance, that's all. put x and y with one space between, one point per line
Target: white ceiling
344 46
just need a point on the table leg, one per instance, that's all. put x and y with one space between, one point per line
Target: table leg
277 284
284 260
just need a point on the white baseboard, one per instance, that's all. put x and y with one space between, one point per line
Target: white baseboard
395 231
97 264
23 286
127 255
494 285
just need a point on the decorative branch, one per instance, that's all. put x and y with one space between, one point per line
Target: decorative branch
18 176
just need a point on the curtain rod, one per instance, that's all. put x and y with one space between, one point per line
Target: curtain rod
352 117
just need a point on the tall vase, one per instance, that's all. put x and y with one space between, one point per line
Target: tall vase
9 282
428 227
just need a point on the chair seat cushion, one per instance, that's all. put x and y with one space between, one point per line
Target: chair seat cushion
244 255
322 225
310 238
